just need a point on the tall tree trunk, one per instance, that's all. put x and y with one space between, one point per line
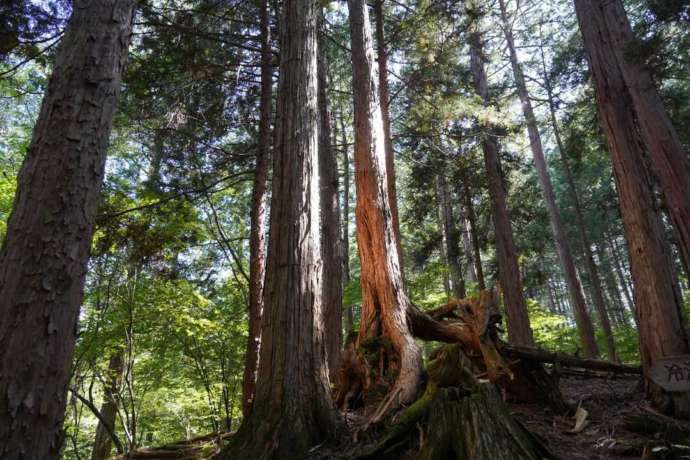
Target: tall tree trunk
622 276
450 238
668 159
331 242
577 299
657 300
292 410
349 316
474 237
257 229
519 330
44 257
102 443
384 98
467 250
384 302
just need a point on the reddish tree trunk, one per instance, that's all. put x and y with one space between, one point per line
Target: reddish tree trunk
257 246
44 257
657 300
292 411
577 299
519 330
382 57
384 302
331 242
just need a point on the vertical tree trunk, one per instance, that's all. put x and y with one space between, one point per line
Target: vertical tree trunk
519 330
474 237
450 238
468 252
668 159
622 276
44 257
331 242
257 229
384 302
292 410
657 301
349 316
382 57
102 444
577 299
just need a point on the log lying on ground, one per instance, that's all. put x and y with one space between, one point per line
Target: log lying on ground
565 360
196 448
463 419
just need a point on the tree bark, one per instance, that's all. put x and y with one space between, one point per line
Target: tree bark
349 316
257 229
102 444
331 242
44 257
657 300
451 238
292 410
519 330
382 57
669 161
582 319
474 238
384 302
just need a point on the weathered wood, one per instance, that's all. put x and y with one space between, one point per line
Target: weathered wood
563 359
672 373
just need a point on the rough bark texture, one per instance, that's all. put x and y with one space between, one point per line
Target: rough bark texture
657 300
519 330
382 57
331 242
257 230
451 237
474 238
384 302
349 316
292 410
577 299
102 444
668 159
44 257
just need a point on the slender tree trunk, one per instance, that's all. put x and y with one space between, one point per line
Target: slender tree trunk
257 230
622 277
657 300
470 270
292 411
474 237
668 159
349 318
331 242
519 330
382 57
44 257
384 302
102 444
577 299
450 238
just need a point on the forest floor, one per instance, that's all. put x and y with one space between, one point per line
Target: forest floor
607 399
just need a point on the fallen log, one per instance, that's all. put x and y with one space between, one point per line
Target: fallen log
565 360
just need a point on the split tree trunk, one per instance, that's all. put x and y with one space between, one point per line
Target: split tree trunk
384 302
44 258
292 410
577 299
257 229
382 57
103 443
331 242
668 159
657 300
474 238
519 330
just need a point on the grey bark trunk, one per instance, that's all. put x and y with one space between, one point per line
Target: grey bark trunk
331 242
451 238
103 443
577 299
349 317
257 229
44 257
292 411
